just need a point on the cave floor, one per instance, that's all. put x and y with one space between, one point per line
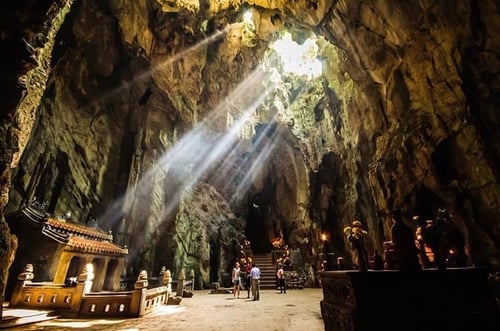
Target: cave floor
296 310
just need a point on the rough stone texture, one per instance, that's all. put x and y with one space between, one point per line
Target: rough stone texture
134 125
28 32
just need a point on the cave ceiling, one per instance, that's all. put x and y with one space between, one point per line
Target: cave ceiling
176 123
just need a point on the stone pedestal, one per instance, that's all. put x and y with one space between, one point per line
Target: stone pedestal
453 299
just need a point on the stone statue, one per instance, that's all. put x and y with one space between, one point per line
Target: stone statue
403 240
420 243
445 240
357 237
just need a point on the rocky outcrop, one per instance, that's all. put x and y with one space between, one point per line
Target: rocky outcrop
171 121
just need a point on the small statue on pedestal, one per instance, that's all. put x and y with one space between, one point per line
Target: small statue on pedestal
357 236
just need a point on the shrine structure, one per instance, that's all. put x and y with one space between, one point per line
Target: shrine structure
59 249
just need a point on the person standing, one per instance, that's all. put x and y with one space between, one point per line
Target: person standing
255 275
236 280
248 278
281 279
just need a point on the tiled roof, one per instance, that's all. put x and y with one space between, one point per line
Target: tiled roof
74 228
94 246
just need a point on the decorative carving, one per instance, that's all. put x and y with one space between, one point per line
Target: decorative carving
142 280
336 318
338 290
27 274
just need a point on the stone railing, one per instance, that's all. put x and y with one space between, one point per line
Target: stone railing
430 299
134 303
77 300
44 295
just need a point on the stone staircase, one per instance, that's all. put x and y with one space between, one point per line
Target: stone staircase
268 271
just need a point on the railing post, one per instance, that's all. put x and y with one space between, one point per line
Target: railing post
142 280
161 276
23 278
167 281
180 283
83 286
139 294
191 277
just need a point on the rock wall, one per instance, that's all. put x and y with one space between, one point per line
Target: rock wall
424 68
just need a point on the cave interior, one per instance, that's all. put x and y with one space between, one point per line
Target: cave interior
184 127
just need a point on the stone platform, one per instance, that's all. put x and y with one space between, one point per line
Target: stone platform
453 299
298 310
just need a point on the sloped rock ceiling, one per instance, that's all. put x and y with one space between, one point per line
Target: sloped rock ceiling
165 121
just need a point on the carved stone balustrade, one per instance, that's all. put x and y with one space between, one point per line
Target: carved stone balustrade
452 299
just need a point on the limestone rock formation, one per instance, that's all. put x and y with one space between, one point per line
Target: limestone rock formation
177 126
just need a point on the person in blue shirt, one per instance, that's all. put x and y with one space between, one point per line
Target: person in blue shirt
255 275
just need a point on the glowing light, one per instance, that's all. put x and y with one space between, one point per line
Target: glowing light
200 149
248 18
298 59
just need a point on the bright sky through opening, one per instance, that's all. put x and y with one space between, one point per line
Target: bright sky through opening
298 59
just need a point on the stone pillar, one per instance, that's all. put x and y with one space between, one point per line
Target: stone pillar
101 265
23 278
180 282
161 276
83 286
140 287
191 278
62 267
167 281
116 275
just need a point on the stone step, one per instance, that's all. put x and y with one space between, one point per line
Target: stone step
268 271
14 317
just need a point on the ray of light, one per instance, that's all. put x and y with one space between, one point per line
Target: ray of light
266 146
189 159
215 152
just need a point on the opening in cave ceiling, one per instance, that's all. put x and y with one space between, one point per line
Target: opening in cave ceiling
265 96
298 59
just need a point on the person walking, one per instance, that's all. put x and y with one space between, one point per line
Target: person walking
236 280
280 274
255 275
